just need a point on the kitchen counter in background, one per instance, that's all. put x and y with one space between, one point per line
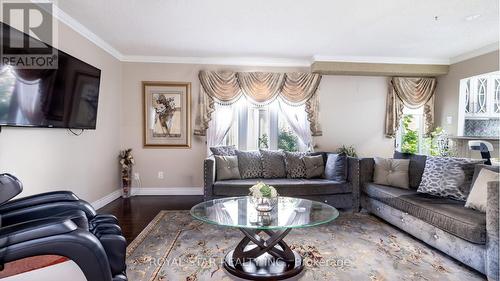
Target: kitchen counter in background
461 142
475 138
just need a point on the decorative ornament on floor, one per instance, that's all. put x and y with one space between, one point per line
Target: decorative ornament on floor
126 164
264 197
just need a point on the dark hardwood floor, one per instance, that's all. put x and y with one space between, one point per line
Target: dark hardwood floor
135 213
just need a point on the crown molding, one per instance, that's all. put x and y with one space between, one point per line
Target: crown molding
258 61
68 20
388 60
475 53
249 61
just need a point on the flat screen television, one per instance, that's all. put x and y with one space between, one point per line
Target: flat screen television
63 97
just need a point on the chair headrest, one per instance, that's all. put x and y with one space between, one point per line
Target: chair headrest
10 186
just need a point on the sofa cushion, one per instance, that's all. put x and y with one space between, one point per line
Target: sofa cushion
479 167
417 166
336 167
448 177
227 167
295 167
273 164
446 214
285 187
249 164
478 195
314 166
393 172
223 150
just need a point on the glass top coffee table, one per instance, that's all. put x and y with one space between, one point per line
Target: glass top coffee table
262 253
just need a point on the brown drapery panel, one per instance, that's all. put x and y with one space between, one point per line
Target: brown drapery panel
260 88
222 86
412 92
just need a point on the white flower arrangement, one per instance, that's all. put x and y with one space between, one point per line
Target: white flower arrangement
126 159
262 190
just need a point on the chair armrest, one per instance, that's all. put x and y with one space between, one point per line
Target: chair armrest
47 210
366 166
353 180
43 198
492 230
36 229
208 177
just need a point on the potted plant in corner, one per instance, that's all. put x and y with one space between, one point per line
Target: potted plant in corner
126 164
264 197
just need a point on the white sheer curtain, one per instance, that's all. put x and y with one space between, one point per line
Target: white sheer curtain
222 120
296 116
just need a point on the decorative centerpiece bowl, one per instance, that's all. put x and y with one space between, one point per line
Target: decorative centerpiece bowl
264 197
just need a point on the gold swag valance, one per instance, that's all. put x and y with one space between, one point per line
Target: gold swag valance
412 92
260 88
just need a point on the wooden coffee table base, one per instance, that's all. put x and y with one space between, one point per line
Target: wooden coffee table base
258 258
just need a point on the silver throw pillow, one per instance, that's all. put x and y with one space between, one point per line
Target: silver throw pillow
249 164
314 166
295 167
227 167
392 172
223 150
273 164
448 177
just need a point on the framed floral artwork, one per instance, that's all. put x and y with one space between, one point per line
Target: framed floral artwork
167 114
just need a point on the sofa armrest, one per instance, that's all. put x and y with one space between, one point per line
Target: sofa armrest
492 230
208 177
353 180
366 166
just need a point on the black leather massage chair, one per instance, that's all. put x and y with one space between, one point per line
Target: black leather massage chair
59 223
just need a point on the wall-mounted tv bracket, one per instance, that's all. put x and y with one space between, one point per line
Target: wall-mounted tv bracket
74 133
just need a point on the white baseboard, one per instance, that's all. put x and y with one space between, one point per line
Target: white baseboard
167 191
136 191
106 199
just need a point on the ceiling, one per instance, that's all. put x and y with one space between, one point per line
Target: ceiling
405 30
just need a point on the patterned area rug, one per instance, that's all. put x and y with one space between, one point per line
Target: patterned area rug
353 247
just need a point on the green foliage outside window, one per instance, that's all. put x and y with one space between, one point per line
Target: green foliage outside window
436 144
263 141
287 141
431 142
409 142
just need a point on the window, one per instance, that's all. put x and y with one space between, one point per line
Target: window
410 136
262 127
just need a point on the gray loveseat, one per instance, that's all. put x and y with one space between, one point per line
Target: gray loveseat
338 194
465 234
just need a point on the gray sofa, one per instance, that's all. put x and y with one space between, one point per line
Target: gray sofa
338 194
465 234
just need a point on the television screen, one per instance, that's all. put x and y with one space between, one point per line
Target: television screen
63 97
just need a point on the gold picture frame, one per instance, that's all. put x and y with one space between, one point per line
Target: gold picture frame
167 114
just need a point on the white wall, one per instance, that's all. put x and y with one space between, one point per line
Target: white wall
353 113
447 91
181 167
54 159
